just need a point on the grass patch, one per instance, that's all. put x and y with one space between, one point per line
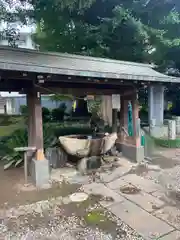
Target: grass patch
152 142
15 134
9 124
13 123
95 217
6 120
99 218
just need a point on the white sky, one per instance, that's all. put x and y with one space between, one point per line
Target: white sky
12 94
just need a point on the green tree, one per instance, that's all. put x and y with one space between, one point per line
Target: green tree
143 30
131 30
14 13
60 97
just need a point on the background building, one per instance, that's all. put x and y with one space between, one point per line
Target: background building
24 33
24 40
12 104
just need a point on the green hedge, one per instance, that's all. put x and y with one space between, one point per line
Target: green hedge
51 132
162 142
167 143
6 120
62 131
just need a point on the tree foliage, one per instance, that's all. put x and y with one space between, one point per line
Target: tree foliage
133 30
143 31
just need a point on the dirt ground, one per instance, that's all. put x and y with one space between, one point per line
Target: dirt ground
14 193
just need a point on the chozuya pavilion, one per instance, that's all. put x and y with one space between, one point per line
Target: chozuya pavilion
32 72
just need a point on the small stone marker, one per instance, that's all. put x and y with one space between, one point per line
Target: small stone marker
177 119
78 197
151 126
171 129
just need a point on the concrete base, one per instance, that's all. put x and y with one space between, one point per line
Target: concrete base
133 153
40 172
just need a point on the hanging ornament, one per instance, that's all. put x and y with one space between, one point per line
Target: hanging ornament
74 105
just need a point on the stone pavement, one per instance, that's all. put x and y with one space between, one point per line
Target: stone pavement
147 212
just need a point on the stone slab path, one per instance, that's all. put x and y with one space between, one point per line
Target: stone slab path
146 211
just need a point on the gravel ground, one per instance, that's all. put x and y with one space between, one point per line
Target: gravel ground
50 220
43 217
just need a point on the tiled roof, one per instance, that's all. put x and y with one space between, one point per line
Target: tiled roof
67 64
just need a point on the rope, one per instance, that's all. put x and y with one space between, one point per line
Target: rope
53 92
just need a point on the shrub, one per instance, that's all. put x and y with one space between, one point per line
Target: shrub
19 138
24 110
72 130
46 115
59 113
6 120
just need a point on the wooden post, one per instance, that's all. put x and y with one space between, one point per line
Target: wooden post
106 109
38 126
35 124
123 117
39 170
30 106
114 120
135 115
115 106
25 168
